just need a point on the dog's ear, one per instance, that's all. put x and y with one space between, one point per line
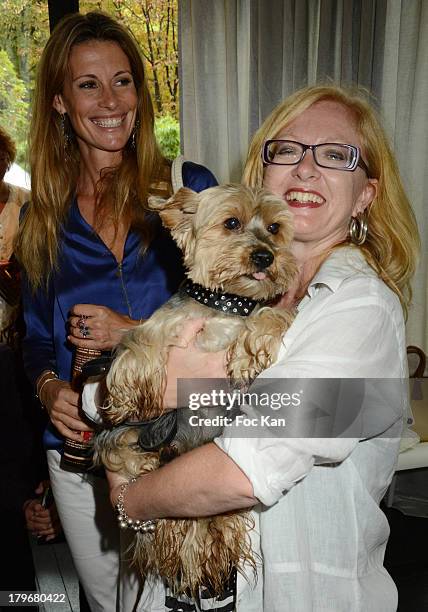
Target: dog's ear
184 201
177 212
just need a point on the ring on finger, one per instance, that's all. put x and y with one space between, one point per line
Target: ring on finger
83 327
85 332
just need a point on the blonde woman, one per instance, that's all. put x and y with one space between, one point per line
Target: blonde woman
316 499
95 262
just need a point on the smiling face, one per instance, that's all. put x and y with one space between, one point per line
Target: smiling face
99 97
322 200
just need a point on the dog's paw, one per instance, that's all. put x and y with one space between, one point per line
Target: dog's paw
257 347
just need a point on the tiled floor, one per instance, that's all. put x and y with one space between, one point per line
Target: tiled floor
55 573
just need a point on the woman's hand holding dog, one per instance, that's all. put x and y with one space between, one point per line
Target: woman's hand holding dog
62 405
97 327
188 361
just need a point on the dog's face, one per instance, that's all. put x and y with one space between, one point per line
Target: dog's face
234 239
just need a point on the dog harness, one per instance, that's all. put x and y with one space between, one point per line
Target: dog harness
226 602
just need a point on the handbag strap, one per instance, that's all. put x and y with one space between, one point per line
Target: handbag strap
177 173
170 178
420 369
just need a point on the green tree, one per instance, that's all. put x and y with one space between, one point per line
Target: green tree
154 25
167 130
24 29
13 106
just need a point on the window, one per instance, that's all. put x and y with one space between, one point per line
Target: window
24 30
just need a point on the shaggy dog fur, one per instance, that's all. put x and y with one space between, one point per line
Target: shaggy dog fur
221 232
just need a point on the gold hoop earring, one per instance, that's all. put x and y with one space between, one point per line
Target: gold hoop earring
358 229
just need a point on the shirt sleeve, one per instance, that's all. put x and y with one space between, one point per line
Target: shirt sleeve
345 336
197 177
38 347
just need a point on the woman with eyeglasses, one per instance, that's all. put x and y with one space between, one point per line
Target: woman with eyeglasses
315 491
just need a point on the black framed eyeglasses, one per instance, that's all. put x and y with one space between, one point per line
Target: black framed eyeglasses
327 155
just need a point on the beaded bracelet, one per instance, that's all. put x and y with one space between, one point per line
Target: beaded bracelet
123 519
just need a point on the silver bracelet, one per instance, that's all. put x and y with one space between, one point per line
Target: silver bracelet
123 519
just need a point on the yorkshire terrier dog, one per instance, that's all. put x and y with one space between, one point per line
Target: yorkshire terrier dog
235 243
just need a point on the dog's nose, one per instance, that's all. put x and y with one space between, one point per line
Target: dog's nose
262 259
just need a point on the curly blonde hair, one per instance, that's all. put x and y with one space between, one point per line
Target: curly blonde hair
392 245
55 163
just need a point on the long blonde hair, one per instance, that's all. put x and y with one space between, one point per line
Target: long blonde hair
55 157
392 245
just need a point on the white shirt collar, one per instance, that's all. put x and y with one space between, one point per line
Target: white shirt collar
343 263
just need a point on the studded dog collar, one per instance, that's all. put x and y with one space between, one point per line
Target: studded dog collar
228 303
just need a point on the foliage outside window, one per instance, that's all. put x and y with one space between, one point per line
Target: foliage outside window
24 30
154 25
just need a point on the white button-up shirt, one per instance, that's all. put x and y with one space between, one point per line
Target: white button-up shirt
322 534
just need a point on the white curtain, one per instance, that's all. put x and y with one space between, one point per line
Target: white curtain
239 58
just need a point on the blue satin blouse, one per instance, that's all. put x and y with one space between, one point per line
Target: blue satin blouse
88 273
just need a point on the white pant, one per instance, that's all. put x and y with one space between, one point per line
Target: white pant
92 534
